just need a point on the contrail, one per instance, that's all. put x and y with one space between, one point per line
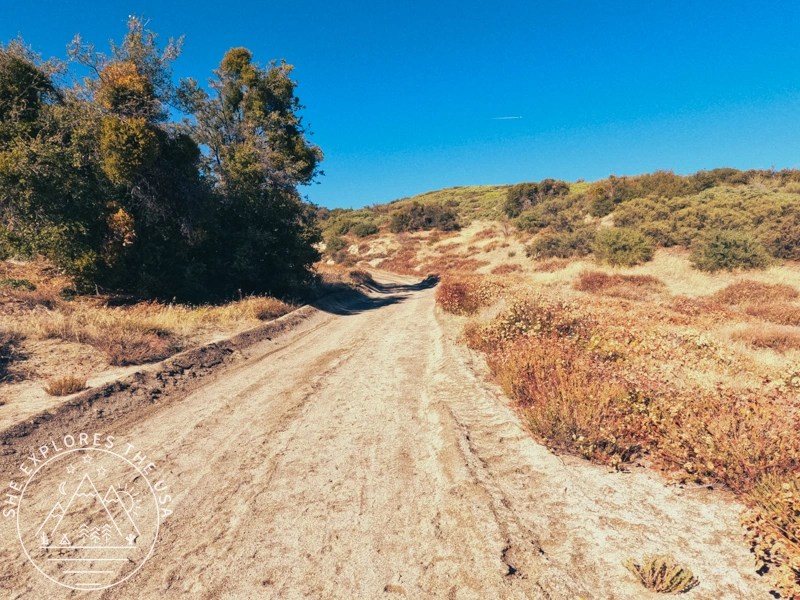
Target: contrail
504 118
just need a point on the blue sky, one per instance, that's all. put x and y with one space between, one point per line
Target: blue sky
403 96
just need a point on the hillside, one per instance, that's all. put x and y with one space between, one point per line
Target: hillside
641 321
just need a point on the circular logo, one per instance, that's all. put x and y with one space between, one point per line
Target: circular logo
88 518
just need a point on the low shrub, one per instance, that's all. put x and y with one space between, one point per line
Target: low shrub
506 268
562 245
364 229
633 287
776 312
748 291
773 523
778 339
465 296
728 250
620 246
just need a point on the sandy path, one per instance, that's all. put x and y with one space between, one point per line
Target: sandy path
362 455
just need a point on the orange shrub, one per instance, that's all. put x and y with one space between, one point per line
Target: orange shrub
505 269
747 291
464 296
632 287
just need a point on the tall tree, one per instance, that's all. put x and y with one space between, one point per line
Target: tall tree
258 155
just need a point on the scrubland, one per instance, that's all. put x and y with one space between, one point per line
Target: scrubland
637 322
628 367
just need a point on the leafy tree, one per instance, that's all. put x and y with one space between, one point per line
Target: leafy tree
264 236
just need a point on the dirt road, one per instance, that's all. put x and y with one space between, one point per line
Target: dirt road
362 455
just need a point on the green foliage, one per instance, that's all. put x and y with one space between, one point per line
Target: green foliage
620 246
562 245
334 244
417 216
524 196
99 181
364 229
725 249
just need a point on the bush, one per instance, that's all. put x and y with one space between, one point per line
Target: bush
465 296
523 196
728 250
335 243
64 386
562 245
364 229
620 246
417 216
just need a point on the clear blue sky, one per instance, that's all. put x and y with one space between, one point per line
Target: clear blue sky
403 97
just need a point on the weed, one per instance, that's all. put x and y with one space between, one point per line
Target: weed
663 574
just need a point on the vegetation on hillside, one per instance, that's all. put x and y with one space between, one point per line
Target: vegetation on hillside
100 178
590 362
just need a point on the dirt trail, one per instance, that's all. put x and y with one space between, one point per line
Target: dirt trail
362 455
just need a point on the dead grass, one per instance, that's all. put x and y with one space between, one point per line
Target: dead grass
662 574
772 338
781 313
64 386
748 292
631 287
506 268
551 265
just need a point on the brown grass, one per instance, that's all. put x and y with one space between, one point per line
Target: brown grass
631 287
506 268
781 313
773 338
551 265
465 295
662 574
747 292
64 386
586 379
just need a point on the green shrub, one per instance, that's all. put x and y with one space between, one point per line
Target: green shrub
524 196
563 244
621 246
417 216
364 229
335 243
727 249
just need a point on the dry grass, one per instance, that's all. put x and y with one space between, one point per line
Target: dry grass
550 266
632 287
597 377
662 574
64 386
747 292
465 295
781 313
772 338
505 269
